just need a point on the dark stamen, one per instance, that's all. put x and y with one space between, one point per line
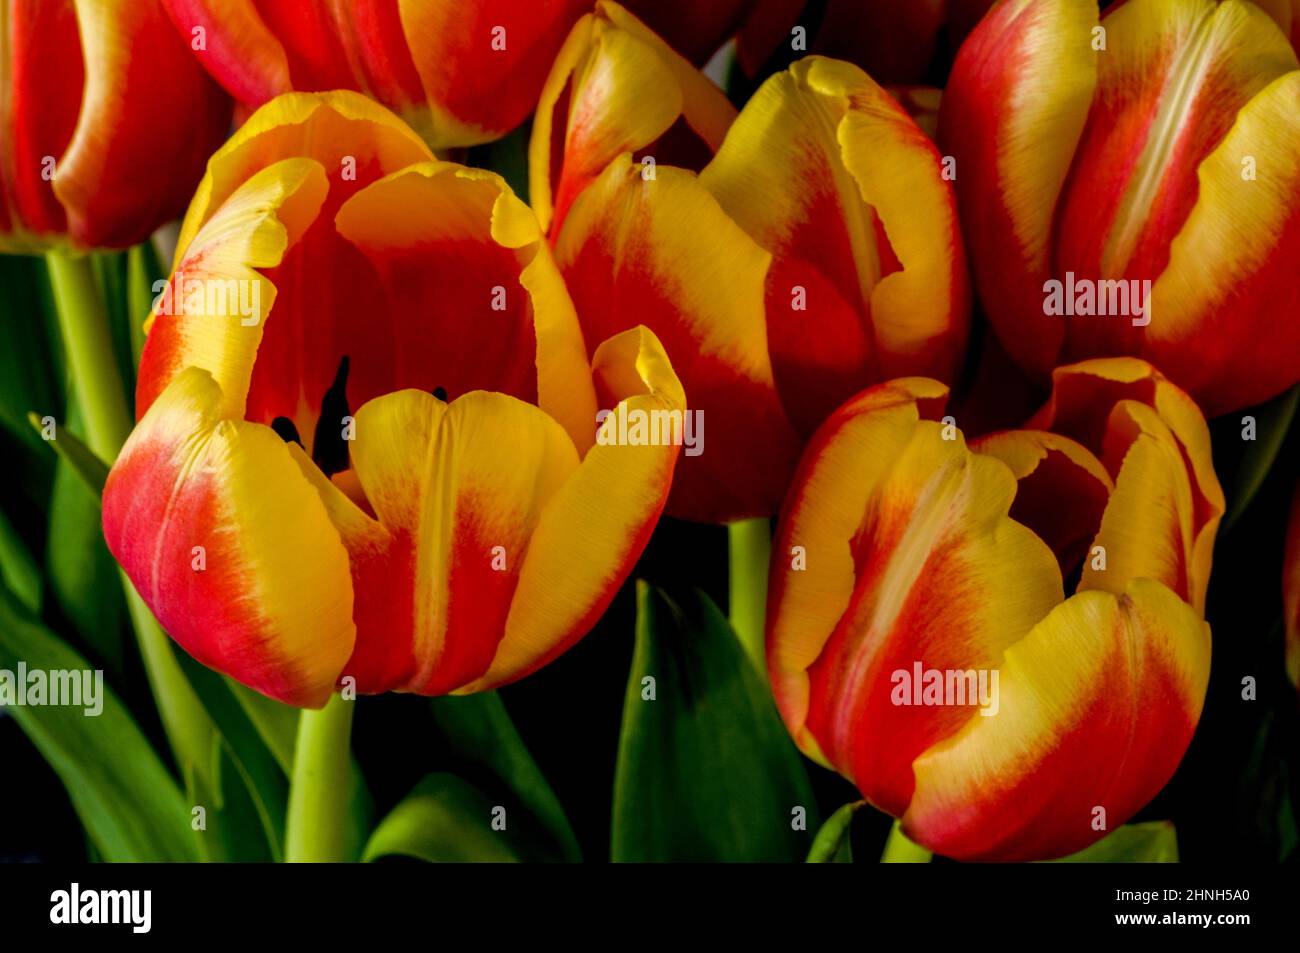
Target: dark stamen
440 393
285 430
330 449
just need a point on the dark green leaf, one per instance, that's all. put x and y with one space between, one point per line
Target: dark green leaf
84 580
1272 421
18 569
706 771
92 470
444 820
479 730
128 803
246 753
28 378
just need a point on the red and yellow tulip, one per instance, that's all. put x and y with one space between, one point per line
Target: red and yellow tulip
1159 144
99 144
460 72
816 253
458 529
903 545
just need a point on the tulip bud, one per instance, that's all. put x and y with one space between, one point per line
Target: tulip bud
460 72
1130 184
928 651
100 142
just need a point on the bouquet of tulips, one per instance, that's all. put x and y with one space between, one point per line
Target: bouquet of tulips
728 431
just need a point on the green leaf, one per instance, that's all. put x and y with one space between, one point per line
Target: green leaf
18 570
276 722
28 373
1272 421
479 731
706 771
71 448
1155 842
247 754
143 269
832 845
84 580
443 820
130 806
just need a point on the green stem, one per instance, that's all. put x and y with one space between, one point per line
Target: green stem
315 831
99 391
750 546
900 850
88 346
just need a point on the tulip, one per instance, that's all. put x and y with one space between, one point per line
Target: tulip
815 254
461 72
1291 592
459 529
99 145
1152 155
617 87
904 550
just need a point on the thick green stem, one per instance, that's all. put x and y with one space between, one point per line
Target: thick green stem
315 831
750 544
98 388
900 850
88 346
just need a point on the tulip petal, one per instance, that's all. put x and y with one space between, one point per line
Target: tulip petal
457 248
37 115
252 230
1210 323
314 322
1062 488
842 468
116 196
660 252
483 64
1171 81
1013 112
593 530
1083 396
616 88
270 603
828 173
1096 707
459 488
239 50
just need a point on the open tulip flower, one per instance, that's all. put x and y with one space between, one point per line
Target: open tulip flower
816 253
85 161
906 554
460 72
1131 185
462 526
